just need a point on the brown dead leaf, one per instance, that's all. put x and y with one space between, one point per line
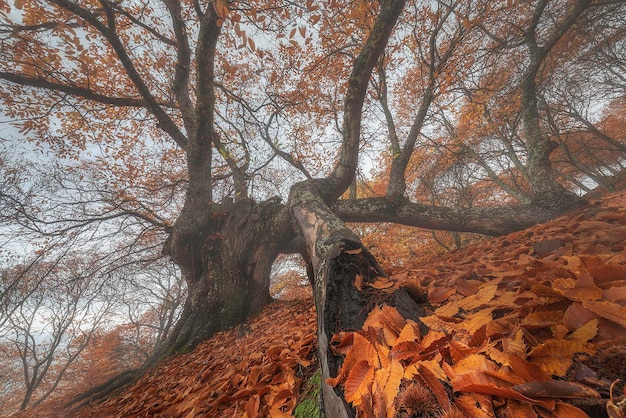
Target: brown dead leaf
565 410
449 310
609 310
556 389
514 408
434 384
381 283
474 405
410 333
354 252
579 290
440 294
358 282
484 295
603 271
387 380
359 382
585 333
555 356
486 384
252 407
576 316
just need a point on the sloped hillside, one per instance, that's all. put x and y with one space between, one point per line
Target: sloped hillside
527 325
532 324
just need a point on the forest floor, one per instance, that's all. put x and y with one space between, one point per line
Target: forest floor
532 324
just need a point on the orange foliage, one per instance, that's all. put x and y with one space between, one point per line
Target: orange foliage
249 371
523 325
509 328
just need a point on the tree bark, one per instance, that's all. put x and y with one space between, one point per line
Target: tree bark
227 268
547 192
336 256
489 221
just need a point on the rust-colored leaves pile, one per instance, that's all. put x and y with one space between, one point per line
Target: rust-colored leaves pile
532 324
249 371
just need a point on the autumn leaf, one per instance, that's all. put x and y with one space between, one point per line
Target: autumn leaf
484 295
585 333
410 333
387 381
359 382
566 410
474 405
433 381
440 294
609 310
555 356
580 289
556 389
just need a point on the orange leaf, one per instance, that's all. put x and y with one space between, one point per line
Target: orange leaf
556 389
542 319
388 381
515 408
459 351
440 294
585 333
381 283
479 382
472 363
359 382
405 350
358 282
435 386
484 295
602 271
555 356
438 324
576 316
579 290
477 320
609 310
364 350
433 337
448 310
565 410
252 407
474 405
410 333
393 319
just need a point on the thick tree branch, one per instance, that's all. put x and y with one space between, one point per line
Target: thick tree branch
81 92
490 221
108 30
343 173
183 65
338 303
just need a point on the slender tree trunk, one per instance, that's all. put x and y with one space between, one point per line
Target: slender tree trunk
547 192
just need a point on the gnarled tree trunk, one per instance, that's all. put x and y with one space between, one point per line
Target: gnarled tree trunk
336 256
225 252
227 266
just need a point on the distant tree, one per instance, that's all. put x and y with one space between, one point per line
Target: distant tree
39 337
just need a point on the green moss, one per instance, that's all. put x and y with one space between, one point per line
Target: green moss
309 405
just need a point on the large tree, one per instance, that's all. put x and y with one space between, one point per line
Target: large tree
248 121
